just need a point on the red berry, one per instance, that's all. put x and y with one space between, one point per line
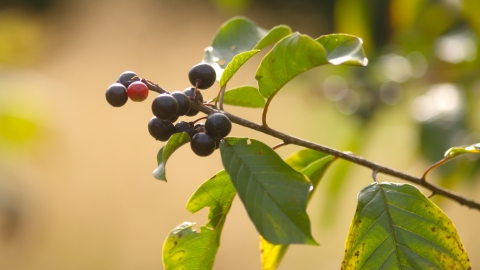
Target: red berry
137 91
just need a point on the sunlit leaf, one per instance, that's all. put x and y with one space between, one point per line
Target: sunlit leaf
235 64
175 141
344 49
187 249
303 158
460 150
290 57
298 53
271 254
274 195
238 35
274 35
216 193
396 227
244 96
315 170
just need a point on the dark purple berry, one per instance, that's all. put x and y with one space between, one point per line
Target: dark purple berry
165 107
116 95
183 102
127 77
160 129
200 127
173 119
190 92
187 127
202 144
218 125
203 74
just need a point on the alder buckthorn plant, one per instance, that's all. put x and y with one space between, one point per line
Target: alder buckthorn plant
395 226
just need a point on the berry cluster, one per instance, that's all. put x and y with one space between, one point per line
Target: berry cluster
168 107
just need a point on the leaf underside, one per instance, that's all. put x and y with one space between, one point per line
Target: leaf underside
187 249
274 195
237 62
344 49
175 142
244 96
396 227
238 35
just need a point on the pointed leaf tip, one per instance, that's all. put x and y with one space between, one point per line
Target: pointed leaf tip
344 49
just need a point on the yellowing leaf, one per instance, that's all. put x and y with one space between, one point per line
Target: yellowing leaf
396 227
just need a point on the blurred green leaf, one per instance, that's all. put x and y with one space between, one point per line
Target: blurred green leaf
274 195
273 254
303 158
344 49
460 150
396 227
175 141
187 249
244 96
232 67
17 129
315 170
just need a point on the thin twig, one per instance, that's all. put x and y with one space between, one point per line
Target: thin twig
264 114
222 94
438 163
153 86
278 145
343 155
374 176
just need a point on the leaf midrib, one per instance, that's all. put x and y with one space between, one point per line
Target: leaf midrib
390 223
252 175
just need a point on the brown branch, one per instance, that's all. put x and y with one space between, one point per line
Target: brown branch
437 190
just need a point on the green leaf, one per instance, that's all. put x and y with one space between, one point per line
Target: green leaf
244 96
232 67
315 170
290 57
273 36
344 49
396 227
274 195
460 150
298 53
238 35
175 141
272 254
217 193
303 158
187 249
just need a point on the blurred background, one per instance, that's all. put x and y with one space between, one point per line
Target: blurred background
76 184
